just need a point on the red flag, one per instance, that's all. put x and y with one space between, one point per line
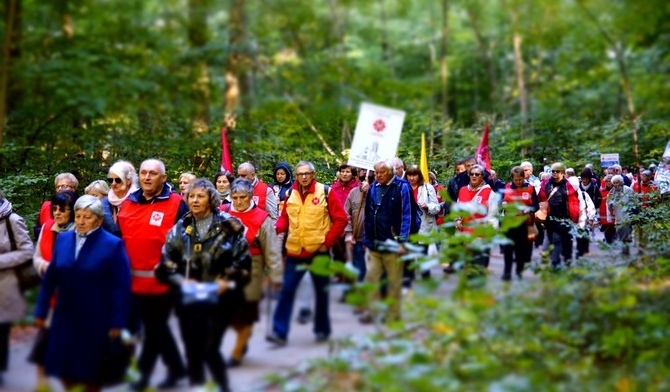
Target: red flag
483 152
226 161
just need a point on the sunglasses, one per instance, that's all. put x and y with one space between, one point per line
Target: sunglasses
475 174
114 180
557 171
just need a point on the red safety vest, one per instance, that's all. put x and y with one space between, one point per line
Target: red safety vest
482 196
252 220
144 227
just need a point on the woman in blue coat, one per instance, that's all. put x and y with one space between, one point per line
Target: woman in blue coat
91 274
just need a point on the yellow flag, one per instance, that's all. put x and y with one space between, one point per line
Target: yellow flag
423 163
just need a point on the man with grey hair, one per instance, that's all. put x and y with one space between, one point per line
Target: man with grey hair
62 182
387 218
313 223
145 218
618 171
264 195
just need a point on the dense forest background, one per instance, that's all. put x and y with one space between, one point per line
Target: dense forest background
84 83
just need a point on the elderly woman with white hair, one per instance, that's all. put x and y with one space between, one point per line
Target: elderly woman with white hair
93 298
122 178
620 207
265 252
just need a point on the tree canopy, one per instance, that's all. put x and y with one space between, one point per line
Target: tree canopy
87 82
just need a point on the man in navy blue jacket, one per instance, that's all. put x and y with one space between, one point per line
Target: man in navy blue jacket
387 217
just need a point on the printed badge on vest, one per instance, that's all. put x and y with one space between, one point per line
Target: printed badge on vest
478 199
255 199
156 218
525 196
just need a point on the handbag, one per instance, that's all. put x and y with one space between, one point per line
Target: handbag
26 274
541 214
198 292
115 361
532 232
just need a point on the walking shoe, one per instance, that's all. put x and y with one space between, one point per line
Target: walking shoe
366 318
321 337
232 362
506 277
304 316
171 381
276 339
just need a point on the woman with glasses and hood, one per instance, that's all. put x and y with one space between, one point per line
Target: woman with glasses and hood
283 176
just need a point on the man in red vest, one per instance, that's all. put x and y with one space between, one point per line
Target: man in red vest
264 196
144 218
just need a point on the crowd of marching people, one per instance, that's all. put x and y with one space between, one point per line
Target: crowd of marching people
116 262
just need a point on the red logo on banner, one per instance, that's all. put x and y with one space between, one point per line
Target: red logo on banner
379 125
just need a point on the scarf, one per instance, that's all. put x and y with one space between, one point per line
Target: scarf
117 201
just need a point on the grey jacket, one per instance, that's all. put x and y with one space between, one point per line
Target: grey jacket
12 303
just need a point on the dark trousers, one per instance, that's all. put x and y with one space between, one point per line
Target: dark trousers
409 270
4 345
561 239
583 240
293 273
202 327
520 251
610 233
153 312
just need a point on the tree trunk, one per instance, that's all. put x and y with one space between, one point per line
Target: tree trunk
4 70
443 60
66 25
521 81
386 44
483 47
198 36
234 62
619 49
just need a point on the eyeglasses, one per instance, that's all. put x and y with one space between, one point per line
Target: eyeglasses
557 171
475 174
64 186
304 174
62 209
114 180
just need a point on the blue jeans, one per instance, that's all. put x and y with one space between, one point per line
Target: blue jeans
358 256
295 270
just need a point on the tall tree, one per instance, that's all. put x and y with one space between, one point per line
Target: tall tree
11 7
198 35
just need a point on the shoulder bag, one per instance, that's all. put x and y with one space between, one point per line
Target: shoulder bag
198 292
26 274
541 214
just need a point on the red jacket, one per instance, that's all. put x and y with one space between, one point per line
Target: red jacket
261 194
144 227
342 191
573 198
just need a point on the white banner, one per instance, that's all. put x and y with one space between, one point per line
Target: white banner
377 135
607 160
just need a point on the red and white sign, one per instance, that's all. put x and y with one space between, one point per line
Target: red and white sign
377 135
